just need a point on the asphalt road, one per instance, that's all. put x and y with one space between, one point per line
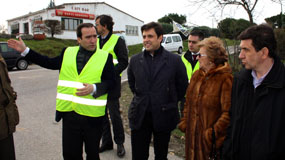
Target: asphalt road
37 136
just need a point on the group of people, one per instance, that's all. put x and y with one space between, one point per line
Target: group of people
223 116
238 117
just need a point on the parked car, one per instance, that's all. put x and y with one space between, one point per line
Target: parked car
12 57
172 43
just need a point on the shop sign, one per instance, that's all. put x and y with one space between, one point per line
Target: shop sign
63 13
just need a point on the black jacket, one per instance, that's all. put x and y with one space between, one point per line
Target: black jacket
188 56
257 127
156 89
121 52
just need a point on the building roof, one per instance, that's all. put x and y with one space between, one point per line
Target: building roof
62 6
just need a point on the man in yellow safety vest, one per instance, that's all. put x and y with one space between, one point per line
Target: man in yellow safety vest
190 58
116 46
86 75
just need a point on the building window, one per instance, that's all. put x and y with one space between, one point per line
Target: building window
38 19
15 28
132 30
26 28
70 24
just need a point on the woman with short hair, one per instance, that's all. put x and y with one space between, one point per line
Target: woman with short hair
208 99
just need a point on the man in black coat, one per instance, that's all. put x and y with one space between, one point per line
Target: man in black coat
257 112
158 81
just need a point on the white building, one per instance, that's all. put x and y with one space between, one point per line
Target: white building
72 14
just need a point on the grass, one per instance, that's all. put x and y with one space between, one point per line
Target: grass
49 46
53 47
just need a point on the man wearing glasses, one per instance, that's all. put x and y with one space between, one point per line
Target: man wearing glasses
190 58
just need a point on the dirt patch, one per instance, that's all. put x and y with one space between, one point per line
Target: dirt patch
177 141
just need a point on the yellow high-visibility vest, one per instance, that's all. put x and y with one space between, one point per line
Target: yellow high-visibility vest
189 69
109 46
69 81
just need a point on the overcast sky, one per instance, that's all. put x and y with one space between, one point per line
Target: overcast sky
148 10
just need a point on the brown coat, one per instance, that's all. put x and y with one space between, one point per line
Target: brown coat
9 116
208 99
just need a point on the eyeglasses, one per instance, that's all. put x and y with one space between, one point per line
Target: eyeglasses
194 42
202 55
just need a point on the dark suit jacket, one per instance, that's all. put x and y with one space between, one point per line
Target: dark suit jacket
158 94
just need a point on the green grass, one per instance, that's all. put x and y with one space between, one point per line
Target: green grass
177 133
49 46
134 49
53 47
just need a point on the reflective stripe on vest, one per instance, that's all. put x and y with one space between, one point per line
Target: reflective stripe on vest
109 46
188 66
69 81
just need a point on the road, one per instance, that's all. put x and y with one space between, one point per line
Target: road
37 136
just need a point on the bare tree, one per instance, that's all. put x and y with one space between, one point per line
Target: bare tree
52 27
219 5
247 5
3 29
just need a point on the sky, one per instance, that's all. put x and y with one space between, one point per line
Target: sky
149 10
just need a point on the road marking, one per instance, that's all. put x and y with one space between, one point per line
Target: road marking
21 129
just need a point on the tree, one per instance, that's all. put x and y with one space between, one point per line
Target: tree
207 31
167 28
181 19
52 27
3 29
247 5
51 4
280 38
230 28
275 21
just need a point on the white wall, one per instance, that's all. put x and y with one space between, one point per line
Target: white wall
120 18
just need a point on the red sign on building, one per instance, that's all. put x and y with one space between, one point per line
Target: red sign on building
74 14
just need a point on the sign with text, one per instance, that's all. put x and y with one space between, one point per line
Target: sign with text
74 14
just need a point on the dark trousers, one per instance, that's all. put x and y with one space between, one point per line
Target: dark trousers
113 106
78 129
7 149
140 140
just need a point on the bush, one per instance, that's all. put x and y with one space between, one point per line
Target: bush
5 36
280 37
27 37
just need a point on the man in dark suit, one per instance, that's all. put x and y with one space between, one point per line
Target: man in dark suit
158 81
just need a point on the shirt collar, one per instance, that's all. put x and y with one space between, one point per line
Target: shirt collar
256 81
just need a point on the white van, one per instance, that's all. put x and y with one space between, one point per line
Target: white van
172 43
